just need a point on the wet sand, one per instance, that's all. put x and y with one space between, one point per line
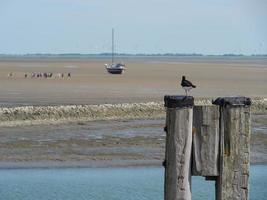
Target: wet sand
121 142
100 144
80 144
146 79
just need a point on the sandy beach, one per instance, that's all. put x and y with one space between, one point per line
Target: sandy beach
146 79
97 136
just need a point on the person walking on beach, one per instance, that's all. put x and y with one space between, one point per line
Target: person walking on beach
10 75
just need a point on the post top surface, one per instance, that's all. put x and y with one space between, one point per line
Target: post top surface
232 101
173 101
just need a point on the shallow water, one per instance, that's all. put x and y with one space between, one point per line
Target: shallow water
106 184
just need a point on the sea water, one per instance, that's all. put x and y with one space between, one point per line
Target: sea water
107 184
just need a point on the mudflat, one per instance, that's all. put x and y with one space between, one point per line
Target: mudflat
115 142
110 143
146 79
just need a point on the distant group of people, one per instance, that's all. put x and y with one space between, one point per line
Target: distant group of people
10 75
39 75
42 75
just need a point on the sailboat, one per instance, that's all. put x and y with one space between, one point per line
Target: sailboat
114 68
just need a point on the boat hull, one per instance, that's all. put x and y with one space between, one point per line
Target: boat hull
115 71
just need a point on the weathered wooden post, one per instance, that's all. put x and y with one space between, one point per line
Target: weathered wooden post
179 119
219 149
232 182
205 141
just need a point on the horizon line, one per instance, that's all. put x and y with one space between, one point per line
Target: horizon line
125 54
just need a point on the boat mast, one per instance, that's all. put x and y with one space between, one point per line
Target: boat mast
112 45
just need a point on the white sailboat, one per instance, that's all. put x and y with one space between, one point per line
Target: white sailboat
114 68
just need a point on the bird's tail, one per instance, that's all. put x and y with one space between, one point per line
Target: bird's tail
193 86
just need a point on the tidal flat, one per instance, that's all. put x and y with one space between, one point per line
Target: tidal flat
44 122
109 143
146 79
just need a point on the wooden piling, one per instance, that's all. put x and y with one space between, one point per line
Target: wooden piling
178 147
205 153
232 183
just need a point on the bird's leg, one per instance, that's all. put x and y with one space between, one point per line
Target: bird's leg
185 92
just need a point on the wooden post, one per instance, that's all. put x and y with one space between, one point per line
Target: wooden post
232 183
178 147
205 141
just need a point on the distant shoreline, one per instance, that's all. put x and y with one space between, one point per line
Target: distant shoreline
127 55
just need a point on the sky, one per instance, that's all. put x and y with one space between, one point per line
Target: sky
141 26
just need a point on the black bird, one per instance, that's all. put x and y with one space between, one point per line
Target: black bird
187 85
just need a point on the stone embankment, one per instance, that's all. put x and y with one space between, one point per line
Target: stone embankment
27 115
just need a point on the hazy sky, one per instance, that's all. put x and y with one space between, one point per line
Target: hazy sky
141 26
